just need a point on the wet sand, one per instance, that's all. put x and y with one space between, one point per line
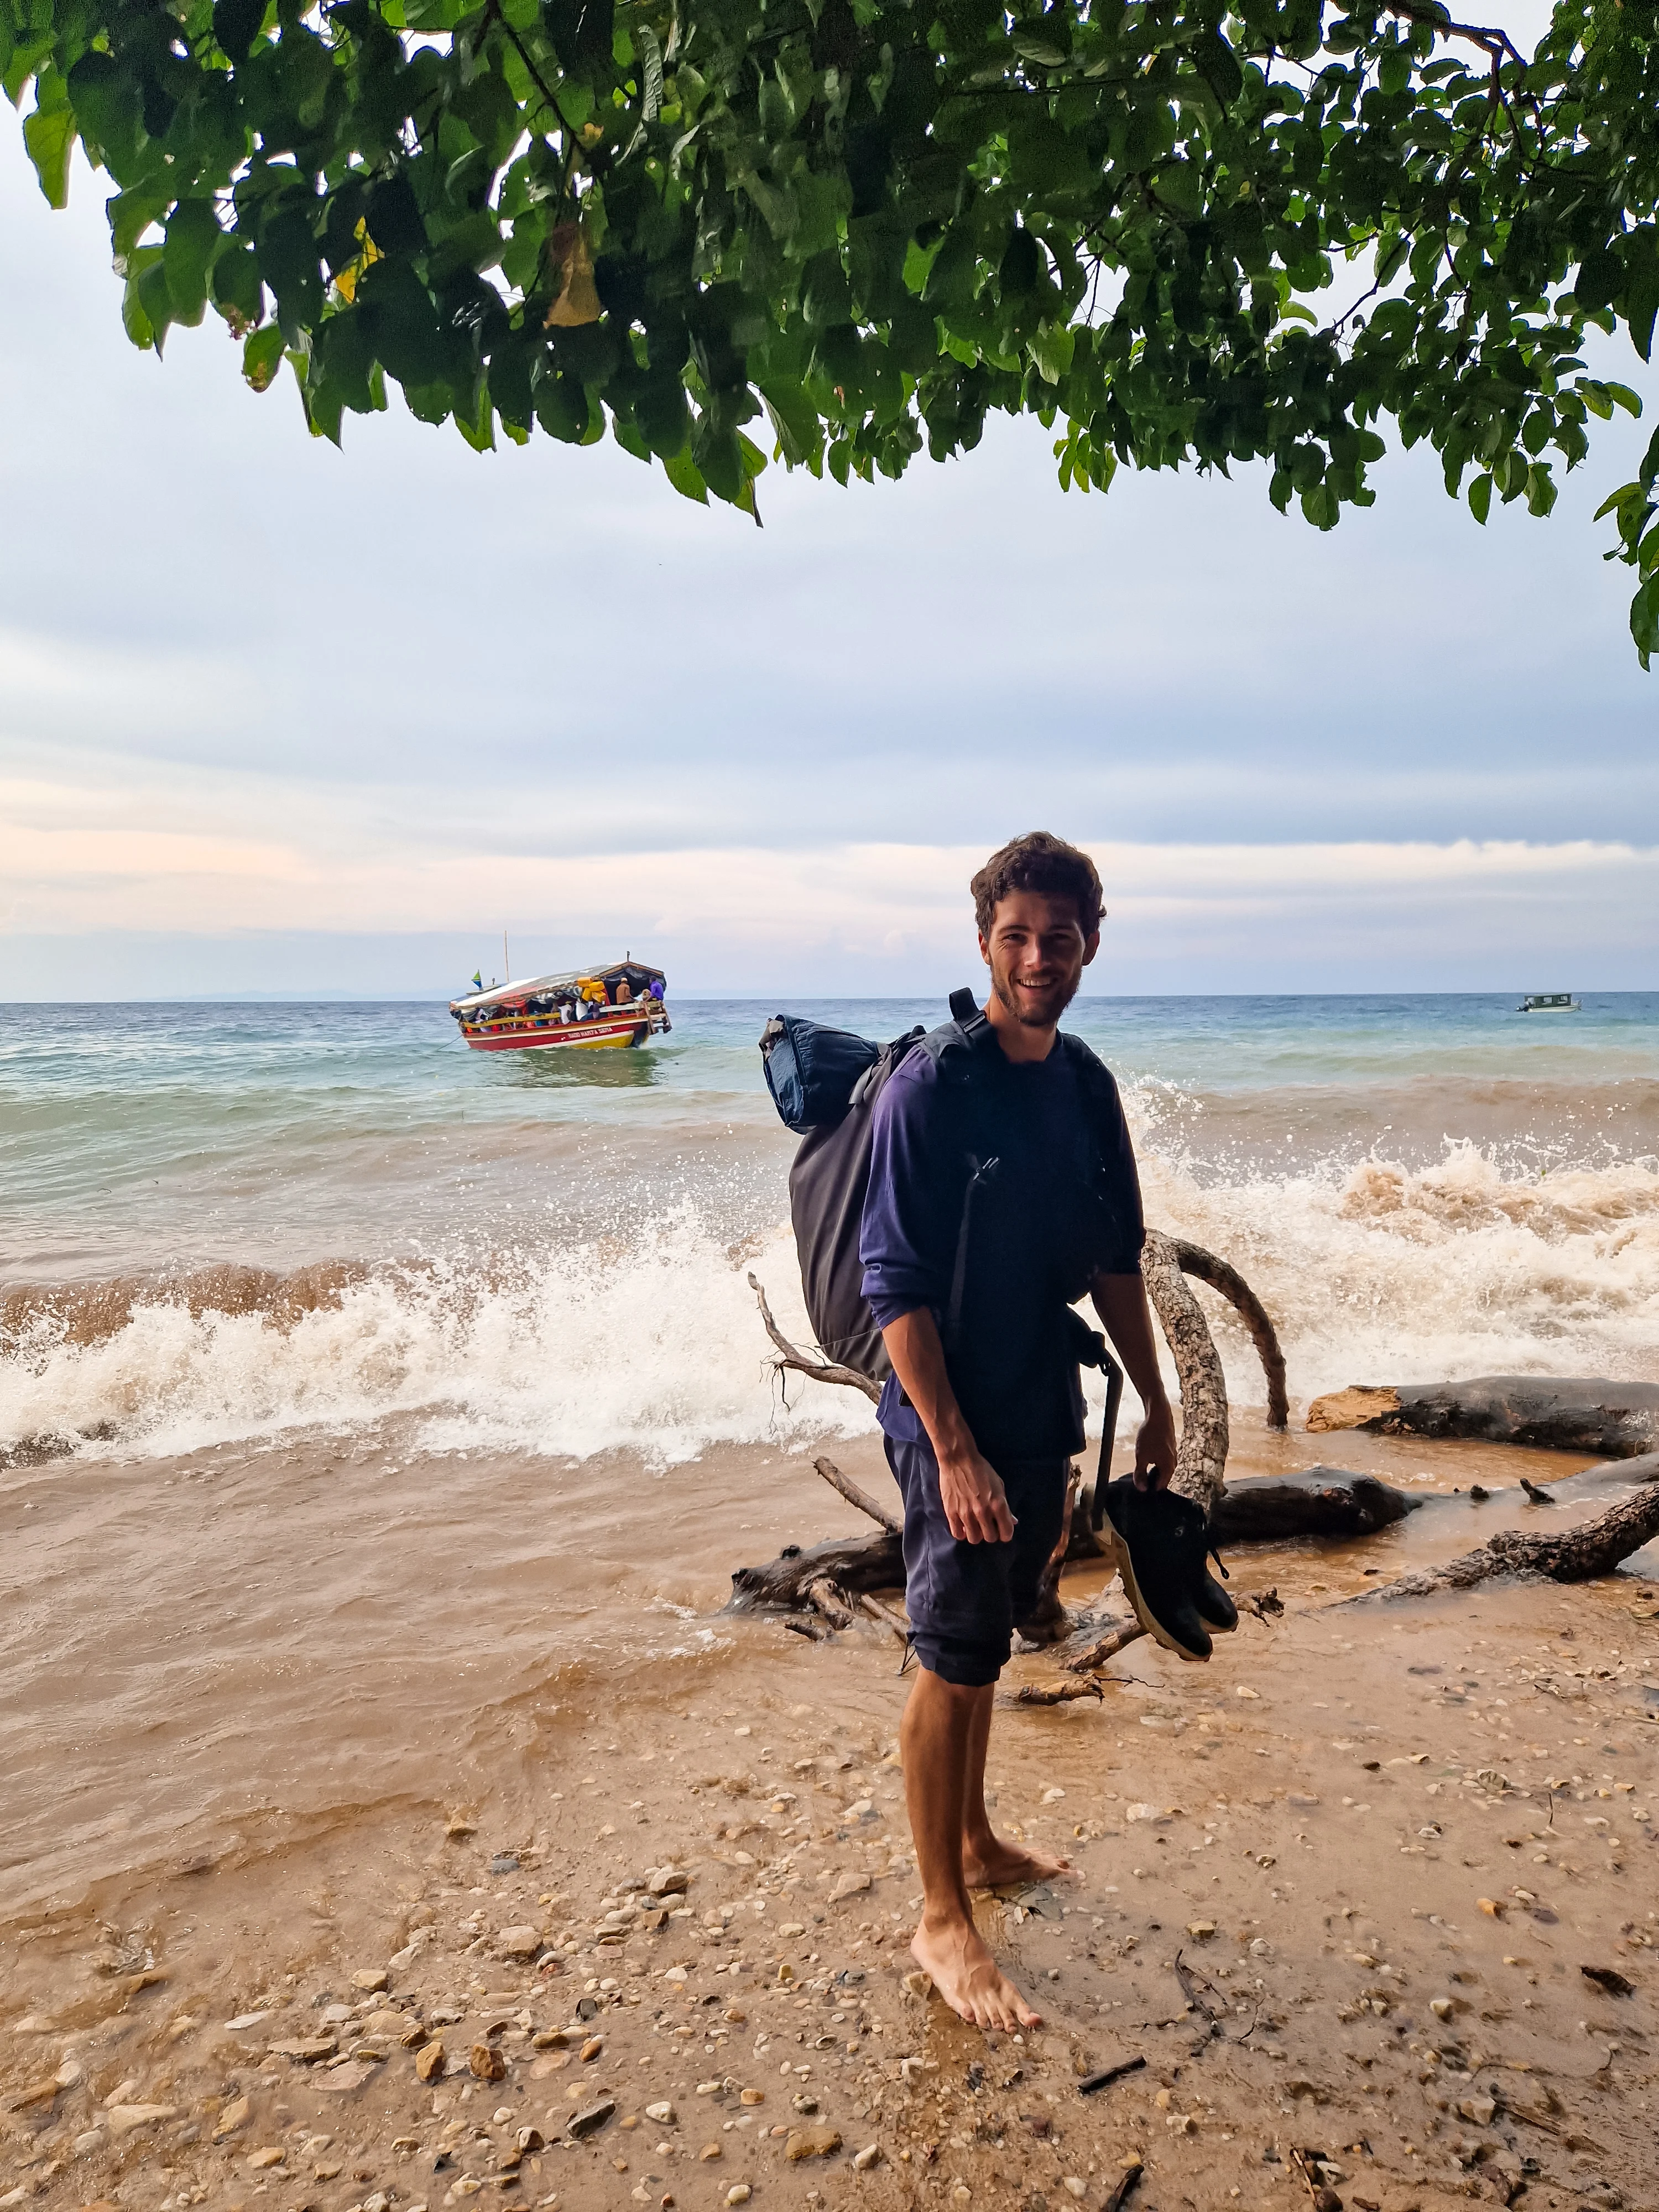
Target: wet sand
274 1723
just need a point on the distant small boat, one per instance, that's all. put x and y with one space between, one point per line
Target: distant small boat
617 1004
1549 1002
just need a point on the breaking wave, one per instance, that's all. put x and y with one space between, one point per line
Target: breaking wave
1374 1271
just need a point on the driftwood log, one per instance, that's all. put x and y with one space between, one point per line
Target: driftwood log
1578 1555
1617 1419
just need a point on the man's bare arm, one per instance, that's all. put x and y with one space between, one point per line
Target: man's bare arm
970 1489
1120 1302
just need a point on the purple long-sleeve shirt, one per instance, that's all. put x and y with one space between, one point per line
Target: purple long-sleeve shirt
1061 1205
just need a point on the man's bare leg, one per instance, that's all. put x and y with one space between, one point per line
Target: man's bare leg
988 1860
935 1740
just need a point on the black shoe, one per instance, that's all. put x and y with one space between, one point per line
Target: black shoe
1153 1533
1215 1607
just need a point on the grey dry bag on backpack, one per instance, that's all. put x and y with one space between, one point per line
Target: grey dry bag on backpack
824 1084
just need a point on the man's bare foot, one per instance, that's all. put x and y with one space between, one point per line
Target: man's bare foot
995 1864
954 1957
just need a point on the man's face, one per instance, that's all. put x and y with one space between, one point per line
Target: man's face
1037 952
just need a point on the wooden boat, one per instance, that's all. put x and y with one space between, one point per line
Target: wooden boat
1549 1002
588 1010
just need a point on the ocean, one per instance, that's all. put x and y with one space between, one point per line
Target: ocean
240 1223
373 1412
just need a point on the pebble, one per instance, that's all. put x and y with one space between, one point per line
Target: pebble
1074 2186
1479 2110
1200 1930
593 2047
91 2140
1442 2007
864 2158
663 2114
518 1942
429 2061
812 2143
710 2151
667 1881
244 2020
1052 1797
738 2193
272 2155
792 1928
530 2139
126 2119
591 2118
370 1979
486 2063
232 2117
504 1863
850 1885
918 1983
307 2049
751 2096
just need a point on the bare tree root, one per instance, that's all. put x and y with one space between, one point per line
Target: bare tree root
790 1357
1202 1460
1220 1275
1106 1647
1578 1556
850 1490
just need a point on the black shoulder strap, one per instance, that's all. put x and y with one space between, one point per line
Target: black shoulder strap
968 1015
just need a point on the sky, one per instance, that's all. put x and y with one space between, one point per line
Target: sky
278 719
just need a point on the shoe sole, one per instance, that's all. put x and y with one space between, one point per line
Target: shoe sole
1143 1614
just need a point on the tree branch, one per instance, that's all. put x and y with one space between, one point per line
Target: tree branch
1220 1275
822 1370
850 1490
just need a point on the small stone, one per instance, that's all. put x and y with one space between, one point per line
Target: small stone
792 1928
738 2193
850 1885
370 1979
126 2119
591 2118
232 2117
328 2169
1075 2186
674 1974
338 2079
864 2158
529 2140
808 2106
272 2155
518 1942
1052 1797
1442 2007
504 1863
709 2151
429 2061
1200 1930
1490 1906
487 2063
1477 2110
918 1983
736 2015
306 2048
244 2020
91 2140
663 2114
459 1828
820 2141
667 1881
593 2047
751 2096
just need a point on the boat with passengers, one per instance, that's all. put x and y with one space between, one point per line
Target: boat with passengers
618 1004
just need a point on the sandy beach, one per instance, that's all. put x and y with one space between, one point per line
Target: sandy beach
305 1811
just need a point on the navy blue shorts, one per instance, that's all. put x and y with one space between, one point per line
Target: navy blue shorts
964 1600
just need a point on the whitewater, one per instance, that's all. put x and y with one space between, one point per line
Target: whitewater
237 1225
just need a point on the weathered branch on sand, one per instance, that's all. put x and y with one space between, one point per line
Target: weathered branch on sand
1202 1460
1096 1653
1220 1275
850 1490
1057 1694
829 1601
1319 1501
853 1565
801 1362
1620 1420
1578 1555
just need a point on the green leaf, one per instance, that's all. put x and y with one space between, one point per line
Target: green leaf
49 135
261 356
193 239
682 473
1644 618
651 58
1480 498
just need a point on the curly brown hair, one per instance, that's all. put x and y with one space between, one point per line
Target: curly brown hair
1039 862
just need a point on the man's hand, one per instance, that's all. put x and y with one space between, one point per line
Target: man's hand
975 1504
1155 1447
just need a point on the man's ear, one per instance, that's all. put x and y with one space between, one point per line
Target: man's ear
1090 946
984 949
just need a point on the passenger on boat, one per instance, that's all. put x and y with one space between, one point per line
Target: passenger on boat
625 996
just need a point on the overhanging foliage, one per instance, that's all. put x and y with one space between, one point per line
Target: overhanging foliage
1173 232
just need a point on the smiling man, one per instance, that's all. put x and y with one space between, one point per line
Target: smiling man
1000 1192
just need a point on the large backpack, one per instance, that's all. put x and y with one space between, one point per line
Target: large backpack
824 1082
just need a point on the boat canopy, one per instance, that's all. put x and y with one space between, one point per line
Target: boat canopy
635 973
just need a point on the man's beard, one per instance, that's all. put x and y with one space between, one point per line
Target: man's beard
1027 1015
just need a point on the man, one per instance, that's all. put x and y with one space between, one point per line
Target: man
979 1430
